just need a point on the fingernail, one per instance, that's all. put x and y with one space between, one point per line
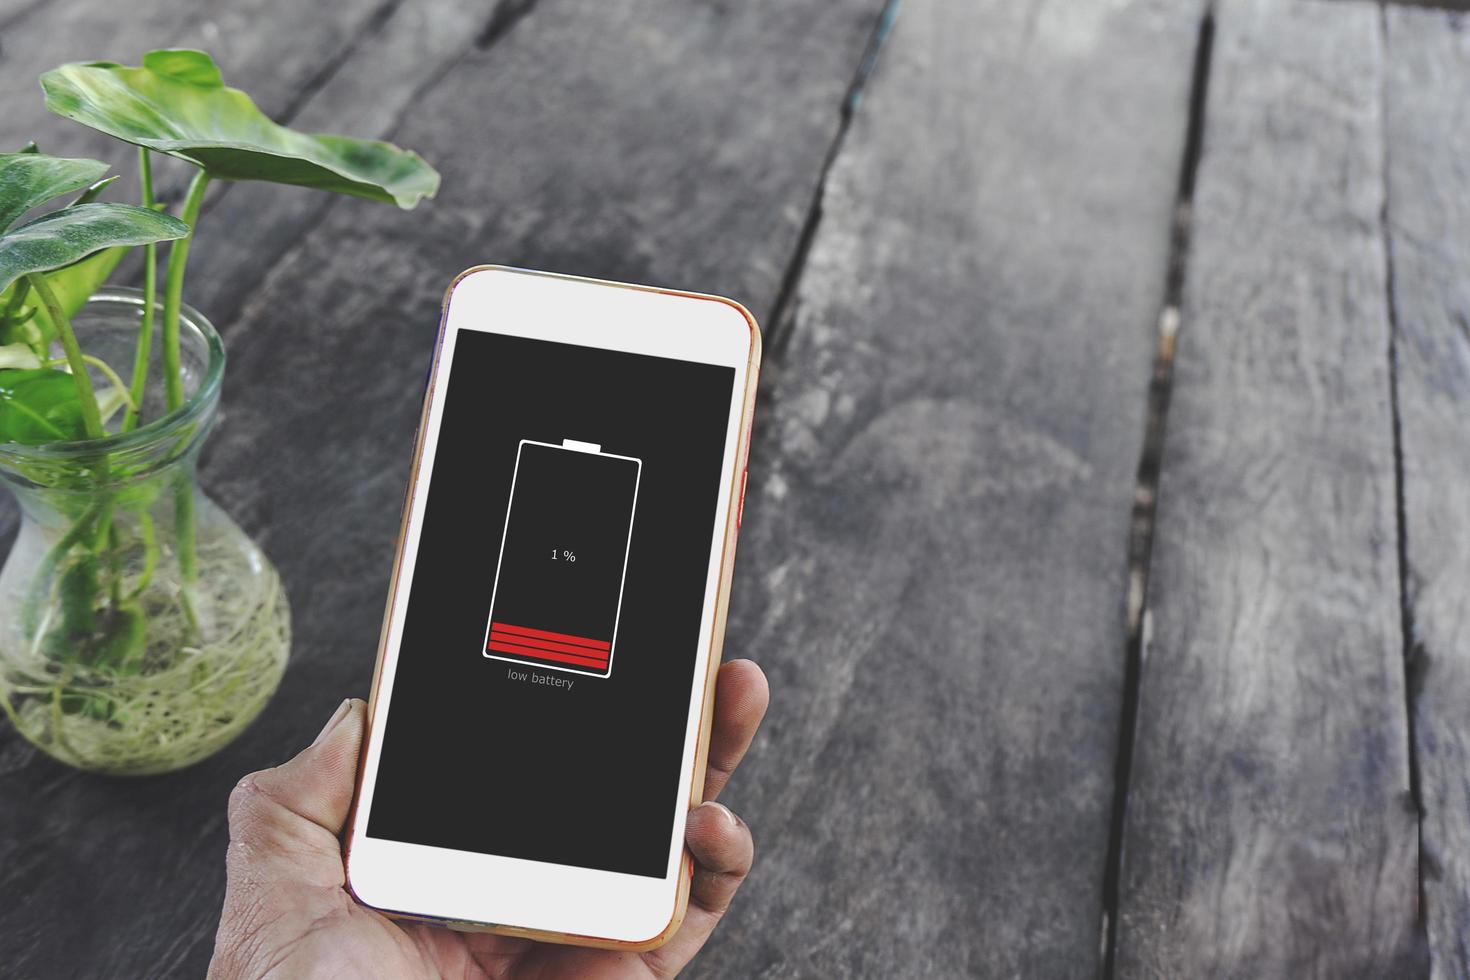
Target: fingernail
723 811
335 720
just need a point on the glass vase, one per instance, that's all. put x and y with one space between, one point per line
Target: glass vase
140 629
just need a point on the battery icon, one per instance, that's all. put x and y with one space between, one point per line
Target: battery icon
559 578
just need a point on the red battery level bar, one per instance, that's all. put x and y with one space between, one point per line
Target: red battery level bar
546 645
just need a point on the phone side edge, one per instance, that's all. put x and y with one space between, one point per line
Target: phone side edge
715 654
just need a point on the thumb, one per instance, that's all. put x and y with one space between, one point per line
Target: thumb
285 862
303 803
317 784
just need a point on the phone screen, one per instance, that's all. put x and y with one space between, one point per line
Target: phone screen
552 627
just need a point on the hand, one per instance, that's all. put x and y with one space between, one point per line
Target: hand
287 914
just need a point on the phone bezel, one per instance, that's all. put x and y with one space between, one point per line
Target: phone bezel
532 898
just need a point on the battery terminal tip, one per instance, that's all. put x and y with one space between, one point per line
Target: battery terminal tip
586 447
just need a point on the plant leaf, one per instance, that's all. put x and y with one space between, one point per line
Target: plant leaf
62 237
177 103
91 193
73 285
20 329
29 179
39 406
185 65
109 402
20 356
15 320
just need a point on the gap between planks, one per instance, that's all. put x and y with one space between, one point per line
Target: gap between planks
1145 495
370 26
1412 650
507 14
1462 5
783 311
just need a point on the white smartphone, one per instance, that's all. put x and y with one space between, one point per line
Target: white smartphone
541 706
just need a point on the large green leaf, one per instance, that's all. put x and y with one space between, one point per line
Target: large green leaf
62 237
177 103
29 179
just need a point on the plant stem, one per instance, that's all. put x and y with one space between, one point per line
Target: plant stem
184 531
150 299
91 420
173 291
150 554
107 539
17 299
41 580
13 308
173 378
114 565
112 378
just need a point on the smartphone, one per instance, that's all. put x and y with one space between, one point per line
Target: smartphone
541 706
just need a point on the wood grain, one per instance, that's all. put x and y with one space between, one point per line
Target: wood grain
1428 127
1270 827
638 140
933 561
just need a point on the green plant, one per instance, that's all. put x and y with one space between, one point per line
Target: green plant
175 104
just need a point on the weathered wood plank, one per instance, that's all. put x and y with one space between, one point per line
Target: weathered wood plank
933 567
14 11
1270 827
1428 126
628 139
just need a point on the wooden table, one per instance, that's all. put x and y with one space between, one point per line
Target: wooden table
1025 271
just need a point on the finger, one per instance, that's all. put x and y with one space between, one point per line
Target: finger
723 853
741 696
317 784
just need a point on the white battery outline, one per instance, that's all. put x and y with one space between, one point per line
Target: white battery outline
591 449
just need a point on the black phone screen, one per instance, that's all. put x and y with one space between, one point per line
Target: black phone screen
552 629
